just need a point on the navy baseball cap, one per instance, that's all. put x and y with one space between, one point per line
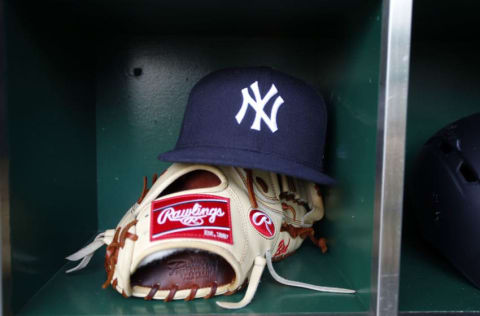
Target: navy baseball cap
255 118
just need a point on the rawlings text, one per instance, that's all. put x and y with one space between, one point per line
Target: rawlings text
199 216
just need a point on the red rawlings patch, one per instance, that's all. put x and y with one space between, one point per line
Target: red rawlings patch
191 216
262 223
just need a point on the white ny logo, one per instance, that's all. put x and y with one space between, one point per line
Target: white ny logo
258 105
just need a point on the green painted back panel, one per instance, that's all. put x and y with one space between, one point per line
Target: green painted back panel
122 121
351 157
443 88
50 104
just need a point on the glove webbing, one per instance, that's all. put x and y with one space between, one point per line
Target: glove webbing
260 261
303 232
283 195
291 197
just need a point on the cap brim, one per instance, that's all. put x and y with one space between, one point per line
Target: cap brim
245 159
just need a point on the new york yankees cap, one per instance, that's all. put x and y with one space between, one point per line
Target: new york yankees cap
256 118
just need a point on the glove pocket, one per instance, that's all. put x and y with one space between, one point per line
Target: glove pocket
181 268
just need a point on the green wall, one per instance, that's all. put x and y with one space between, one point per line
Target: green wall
351 157
91 105
51 126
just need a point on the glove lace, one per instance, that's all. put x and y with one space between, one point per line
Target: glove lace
86 253
256 274
251 192
121 234
282 280
145 187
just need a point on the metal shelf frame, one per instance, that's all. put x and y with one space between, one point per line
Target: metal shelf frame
391 132
391 135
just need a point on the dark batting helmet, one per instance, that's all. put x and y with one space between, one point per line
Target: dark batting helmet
447 194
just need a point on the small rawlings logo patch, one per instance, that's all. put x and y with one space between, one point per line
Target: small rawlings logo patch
262 223
191 216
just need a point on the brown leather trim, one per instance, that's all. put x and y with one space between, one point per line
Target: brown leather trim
286 207
320 243
145 186
123 234
152 292
303 232
213 290
132 236
193 292
109 278
241 287
154 178
111 256
293 231
144 191
251 192
291 184
171 293
291 198
262 184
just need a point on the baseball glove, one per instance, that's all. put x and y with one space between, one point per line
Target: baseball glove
201 231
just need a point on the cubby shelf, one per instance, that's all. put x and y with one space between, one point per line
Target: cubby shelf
443 87
81 293
92 91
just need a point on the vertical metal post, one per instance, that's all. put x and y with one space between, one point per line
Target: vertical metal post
4 193
391 130
4 238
